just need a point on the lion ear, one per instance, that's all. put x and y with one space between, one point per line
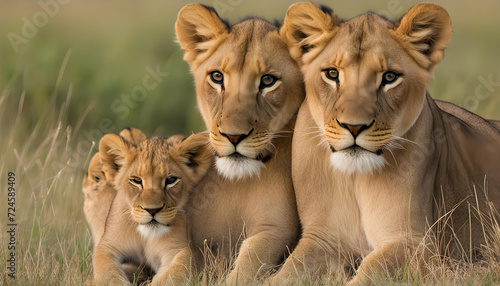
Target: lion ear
113 151
425 31
194 152
199 31
132 135
306 29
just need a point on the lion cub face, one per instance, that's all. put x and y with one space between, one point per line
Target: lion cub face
365 78
248 86
155 176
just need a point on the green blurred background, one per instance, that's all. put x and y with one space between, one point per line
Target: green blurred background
111 44
71 71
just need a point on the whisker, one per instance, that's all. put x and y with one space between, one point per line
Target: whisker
394 137
126 212
283 131
323 142
388 149
395 145
280 136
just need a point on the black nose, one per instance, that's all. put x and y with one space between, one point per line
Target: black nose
235 139
355 129
152 211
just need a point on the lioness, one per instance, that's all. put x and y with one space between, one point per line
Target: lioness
375 159
147 220
248 90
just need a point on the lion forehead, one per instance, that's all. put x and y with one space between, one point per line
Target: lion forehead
153 156
361 39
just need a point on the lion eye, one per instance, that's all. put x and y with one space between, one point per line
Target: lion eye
217 77
97 179
267 81
136 181
170 180
389 77
332 74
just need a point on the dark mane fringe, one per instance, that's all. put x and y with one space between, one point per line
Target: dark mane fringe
328 10
385 18
276 23
226 22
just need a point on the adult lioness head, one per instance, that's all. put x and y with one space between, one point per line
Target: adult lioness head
365 78
155 176
248 86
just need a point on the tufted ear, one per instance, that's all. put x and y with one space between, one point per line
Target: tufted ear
425 31
114 151
307 29
95 168
132 135
94 174
199 31
174 139
194 153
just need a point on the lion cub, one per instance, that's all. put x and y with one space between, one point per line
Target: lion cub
147 220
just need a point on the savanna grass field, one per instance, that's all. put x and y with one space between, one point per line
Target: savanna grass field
73 70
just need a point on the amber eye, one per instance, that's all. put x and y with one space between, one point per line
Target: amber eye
170 180
97 179
267 81
389 77
136 181
332 74
217 77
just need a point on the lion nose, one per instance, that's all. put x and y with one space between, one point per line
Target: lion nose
355 129
235 139
152 211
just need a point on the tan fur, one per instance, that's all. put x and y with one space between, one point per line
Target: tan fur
99 192
436 154
98 196
151 163
253 216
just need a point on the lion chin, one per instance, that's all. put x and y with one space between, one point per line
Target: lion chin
153 230
238 168
355 160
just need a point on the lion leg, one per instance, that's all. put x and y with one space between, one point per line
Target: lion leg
177 272
309 258
384 261
255 253
107 269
